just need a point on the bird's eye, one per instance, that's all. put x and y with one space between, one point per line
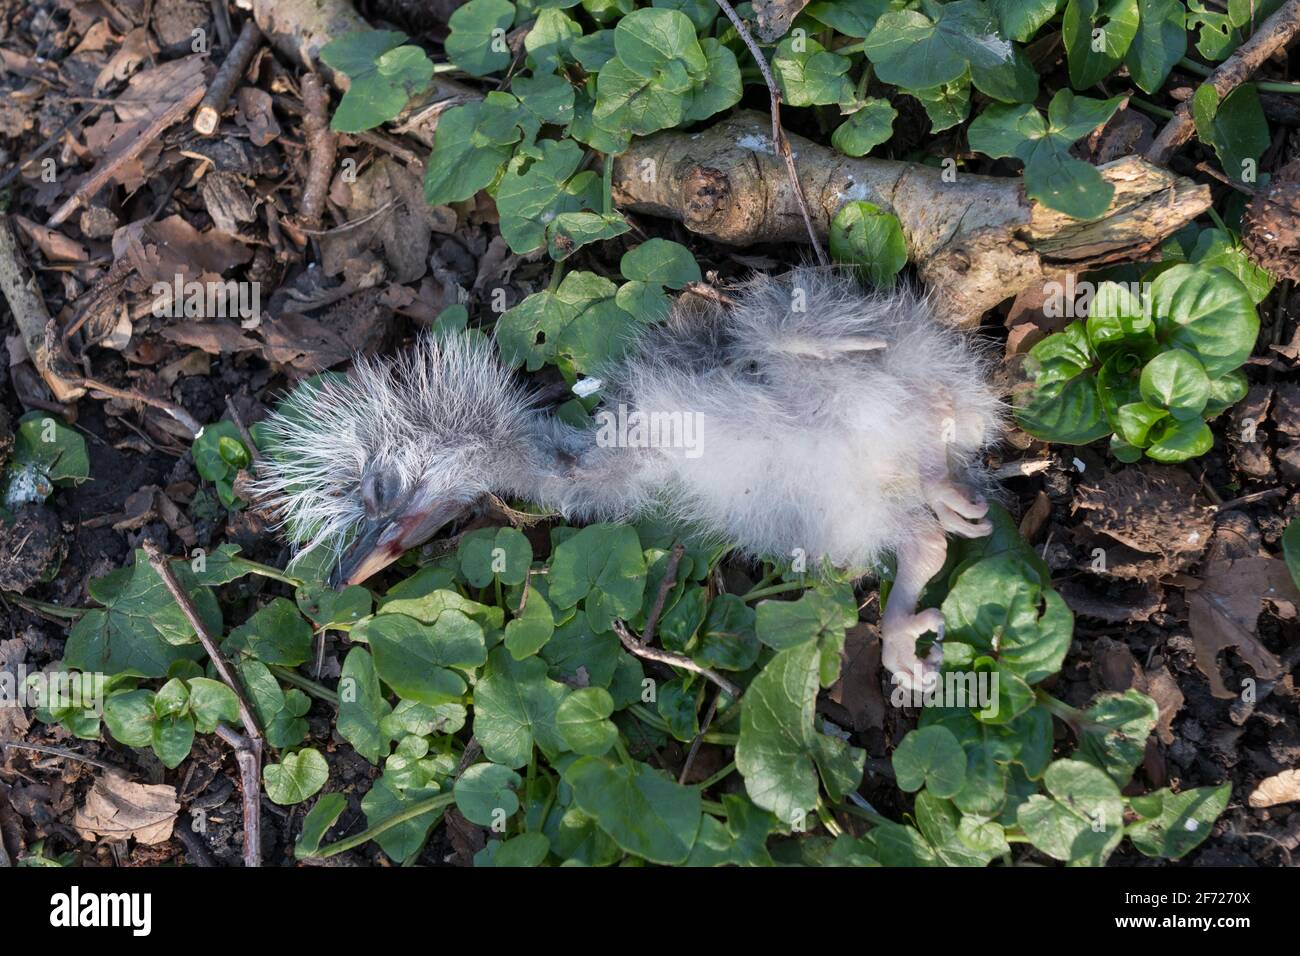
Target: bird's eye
380 489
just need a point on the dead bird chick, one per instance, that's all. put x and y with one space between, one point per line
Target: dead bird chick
808 419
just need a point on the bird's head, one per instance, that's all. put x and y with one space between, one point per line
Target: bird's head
376 463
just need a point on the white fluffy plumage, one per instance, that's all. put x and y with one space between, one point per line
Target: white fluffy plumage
823 411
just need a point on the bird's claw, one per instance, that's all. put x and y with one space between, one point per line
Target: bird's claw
899 634
958 511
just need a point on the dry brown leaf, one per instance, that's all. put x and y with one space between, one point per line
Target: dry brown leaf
135 49
216 337
55 246
858 688
1281 788
775 17
1223 610
254 114
118 809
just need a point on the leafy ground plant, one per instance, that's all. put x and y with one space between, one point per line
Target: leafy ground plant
502 675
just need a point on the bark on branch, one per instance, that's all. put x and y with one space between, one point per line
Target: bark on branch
975 241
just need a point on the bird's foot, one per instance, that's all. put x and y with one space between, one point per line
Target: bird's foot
899 634
959 511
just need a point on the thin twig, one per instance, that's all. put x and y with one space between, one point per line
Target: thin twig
699 737
247 746
778 134
208 116
50 143
665 587
673 660
1251 498
1273 35
57 752
171 408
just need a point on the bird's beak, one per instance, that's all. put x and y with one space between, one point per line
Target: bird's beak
383 540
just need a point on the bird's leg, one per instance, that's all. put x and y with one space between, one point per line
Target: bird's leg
920 559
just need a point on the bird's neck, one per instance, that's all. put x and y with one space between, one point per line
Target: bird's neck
572 471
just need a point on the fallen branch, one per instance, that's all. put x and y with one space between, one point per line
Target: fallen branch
33 319
248 745
1273 35
208 116
321 146
976 240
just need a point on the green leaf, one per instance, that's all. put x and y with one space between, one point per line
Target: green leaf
276 634
1070 414
383 75
533 192
946 105
660 262
1226 392
719 88
485 793
130 717
1115 731
386 800
582 720
172 737
525 849
570 231
1174 824
477 42
46 454
815 616
933 758
866 128
1021 19
1117 319
853 18
1052 175
728 639
1134 421
210 703
415 659
531 629
1218 247
1208 312
779 746
999 607
281 714
602 560
862 234
296 778
553 38
1083 819
1176 380
466 158
647 40
501 553
1291 549
810 75
141 630
1158 45
362 707
1090 24
515 707
1236 128
324 813
644 812
916 52
676 704
1175 441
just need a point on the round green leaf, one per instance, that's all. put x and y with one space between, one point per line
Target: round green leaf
1208 312
931 758
477 42
866 128
298 776
582 720
865 236
130 717
1176 380
485 793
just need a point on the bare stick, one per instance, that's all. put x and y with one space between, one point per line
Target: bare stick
171 408
640 649
665 588
57 752
247 746
33 319
208 116
779 140
321 146
1273 34
132 147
